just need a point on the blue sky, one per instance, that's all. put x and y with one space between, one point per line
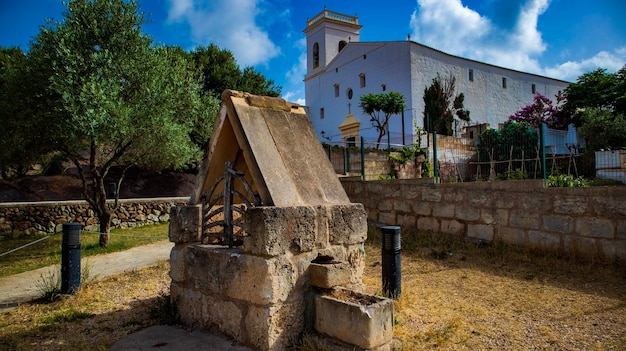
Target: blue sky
556 38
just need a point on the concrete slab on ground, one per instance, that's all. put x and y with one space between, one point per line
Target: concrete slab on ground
170 338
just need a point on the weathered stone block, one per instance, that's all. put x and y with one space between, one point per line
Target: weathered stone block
432 195
452 227
515 236
348 224
595 227
613 249
544 241
222 314
185 224
467 213
573 205
358 319
241 276
178 263
429 224
273 231
329 275
445 210
480 231
423 208
621 230
524 219
580 245
388 218
559 224
273 328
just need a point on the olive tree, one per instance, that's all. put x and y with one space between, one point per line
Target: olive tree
118 100
380 107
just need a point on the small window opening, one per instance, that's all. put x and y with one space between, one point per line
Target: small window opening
471 75
504 82
336 90
534 89
322 113
384 87
316 55
362 79
342 44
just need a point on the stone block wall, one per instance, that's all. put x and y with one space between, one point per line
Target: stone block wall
41 218
260 294
588 221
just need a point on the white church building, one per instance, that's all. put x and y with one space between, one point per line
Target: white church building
341 68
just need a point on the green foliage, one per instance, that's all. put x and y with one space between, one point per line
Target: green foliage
440 105
23 140
515 174
54 165
597 89
380 107
220 71
117 100
407 153
566 180
510 141
602 129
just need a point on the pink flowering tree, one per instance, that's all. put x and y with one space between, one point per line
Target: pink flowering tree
543 111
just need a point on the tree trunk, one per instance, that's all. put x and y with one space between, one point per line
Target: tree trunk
105 228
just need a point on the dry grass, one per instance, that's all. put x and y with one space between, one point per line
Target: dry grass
463 296
97 316
455 296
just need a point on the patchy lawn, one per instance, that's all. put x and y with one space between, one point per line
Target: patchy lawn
455 296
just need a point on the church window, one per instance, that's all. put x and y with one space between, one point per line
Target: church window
504 82
533 88
362 79
471 75
342 44
316 55
349 93
336 90
322 113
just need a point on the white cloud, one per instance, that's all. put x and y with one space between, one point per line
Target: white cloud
570 71
231 24
449 26
296 74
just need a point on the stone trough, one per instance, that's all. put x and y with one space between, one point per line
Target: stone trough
302 241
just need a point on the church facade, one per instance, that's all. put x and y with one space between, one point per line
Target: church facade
341 68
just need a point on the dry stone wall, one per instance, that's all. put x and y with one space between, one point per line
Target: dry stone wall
40 218
587 221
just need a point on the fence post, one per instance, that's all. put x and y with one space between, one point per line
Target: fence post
345 164
435 163
362 158
348 159
70 258
542 147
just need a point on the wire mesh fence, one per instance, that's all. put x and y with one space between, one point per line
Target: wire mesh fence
510 153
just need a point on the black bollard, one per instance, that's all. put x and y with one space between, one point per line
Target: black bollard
392 265
70 258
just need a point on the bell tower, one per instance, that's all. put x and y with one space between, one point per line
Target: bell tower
326 34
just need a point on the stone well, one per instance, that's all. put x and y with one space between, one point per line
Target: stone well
301 236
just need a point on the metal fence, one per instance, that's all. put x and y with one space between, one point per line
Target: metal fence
509 153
